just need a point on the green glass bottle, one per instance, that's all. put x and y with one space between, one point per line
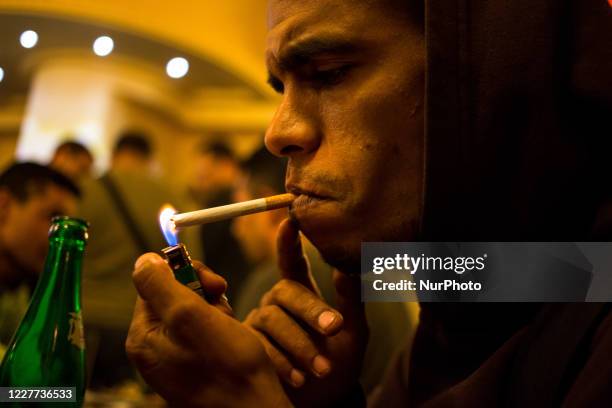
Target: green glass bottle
48 348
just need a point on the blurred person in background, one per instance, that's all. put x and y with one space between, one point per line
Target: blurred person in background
264 175
122 208
72 159
217 170
390 323
30 196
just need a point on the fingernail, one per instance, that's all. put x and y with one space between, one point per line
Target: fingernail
297 378
321 366
326 319
140 262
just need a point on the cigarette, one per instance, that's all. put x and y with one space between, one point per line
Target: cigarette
225 212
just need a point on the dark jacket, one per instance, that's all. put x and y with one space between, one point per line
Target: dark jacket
519 134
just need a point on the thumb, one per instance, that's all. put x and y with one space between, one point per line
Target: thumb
292 263
348 301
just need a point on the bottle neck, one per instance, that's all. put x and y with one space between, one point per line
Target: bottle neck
61 278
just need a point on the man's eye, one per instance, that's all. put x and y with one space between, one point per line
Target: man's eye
276 84
331 77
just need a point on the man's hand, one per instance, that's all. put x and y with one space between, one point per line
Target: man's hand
192 352
317 351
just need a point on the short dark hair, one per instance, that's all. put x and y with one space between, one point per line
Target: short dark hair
73 147
24 179
133 141
265 171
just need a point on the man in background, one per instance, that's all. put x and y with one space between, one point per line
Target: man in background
264 175
30 196
72 159
217 171
122 208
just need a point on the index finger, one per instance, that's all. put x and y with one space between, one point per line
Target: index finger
291 260
214 287
305 306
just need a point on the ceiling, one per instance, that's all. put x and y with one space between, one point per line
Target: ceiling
223 41
59 36
231 33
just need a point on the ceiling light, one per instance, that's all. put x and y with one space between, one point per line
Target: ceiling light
1 74
103 46
28 39
177 67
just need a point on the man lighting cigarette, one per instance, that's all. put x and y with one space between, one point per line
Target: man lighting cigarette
352 125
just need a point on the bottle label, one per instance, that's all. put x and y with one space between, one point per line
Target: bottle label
76 335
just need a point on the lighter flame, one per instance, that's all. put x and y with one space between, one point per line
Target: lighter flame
167 225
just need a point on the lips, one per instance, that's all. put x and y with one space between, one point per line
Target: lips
306 198
311 192
305 201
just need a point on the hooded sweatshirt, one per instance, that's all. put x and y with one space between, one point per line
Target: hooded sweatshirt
517 146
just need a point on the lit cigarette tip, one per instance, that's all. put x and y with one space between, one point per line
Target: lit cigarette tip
225 212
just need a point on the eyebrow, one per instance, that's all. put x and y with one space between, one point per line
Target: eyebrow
303 52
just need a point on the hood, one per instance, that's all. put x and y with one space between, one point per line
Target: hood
518 143
518 147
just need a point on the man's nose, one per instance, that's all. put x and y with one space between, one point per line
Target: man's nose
293 129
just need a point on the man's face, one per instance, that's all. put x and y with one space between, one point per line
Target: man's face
213 173
75 166
81 166
26 225
351 120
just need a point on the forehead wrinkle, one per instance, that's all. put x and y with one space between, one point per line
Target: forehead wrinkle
294 19
284 32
